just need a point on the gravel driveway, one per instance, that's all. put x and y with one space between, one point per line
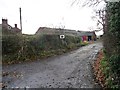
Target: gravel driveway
70 70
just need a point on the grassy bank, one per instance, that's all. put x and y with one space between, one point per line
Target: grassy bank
111 71
107 74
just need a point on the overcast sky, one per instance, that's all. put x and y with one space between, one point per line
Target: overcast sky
47 13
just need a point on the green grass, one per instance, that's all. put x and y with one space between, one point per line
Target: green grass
84 43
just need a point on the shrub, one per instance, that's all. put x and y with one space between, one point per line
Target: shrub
11 44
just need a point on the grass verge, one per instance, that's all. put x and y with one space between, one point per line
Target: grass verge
104 73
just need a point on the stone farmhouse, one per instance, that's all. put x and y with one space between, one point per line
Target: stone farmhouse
8 28
85 35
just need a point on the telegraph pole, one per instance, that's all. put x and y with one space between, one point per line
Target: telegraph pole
22 42
20 19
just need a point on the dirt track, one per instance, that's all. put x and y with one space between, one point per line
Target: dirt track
71 70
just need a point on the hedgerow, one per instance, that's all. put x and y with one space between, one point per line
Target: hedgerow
112 43
19 48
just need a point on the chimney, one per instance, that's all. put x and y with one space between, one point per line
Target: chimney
15 25
4 21
4 24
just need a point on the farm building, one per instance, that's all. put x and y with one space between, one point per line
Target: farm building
85 35
88 35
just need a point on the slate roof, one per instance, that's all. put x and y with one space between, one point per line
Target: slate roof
87 33
47 30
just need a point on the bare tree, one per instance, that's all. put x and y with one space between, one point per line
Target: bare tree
100 14
100 17
89 3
